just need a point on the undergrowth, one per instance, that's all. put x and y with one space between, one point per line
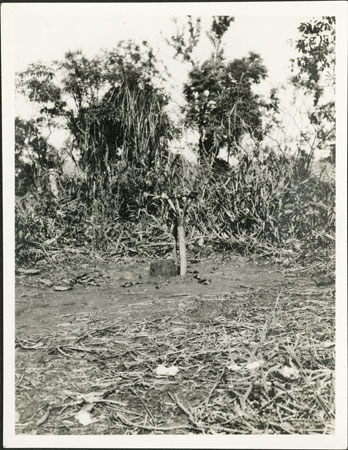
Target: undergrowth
269 205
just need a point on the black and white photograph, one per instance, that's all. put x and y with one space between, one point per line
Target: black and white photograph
175 219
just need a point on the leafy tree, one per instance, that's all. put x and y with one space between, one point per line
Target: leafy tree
314 74
221 102
219 26
188 35
186 39
112 107
34 156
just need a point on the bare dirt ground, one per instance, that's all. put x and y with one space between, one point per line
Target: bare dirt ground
87 357
115 290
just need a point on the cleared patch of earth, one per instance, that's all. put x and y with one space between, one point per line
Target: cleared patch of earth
127 289
94 350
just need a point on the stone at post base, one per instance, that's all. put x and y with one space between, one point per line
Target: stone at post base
163 268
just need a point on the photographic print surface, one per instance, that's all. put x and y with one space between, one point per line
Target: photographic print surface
176 219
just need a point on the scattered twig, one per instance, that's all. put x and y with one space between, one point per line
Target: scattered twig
185 410
116 359
128 423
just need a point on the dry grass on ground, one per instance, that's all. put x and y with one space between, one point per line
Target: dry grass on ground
103 371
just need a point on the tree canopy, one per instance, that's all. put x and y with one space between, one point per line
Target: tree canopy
110 104
221 102
314 73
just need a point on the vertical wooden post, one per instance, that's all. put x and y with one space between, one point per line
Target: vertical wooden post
182 245
180 220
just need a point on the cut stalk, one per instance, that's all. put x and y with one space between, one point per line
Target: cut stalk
182 246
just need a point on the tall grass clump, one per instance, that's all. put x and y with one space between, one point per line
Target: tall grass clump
268 201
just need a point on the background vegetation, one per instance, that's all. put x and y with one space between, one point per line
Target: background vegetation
121 132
